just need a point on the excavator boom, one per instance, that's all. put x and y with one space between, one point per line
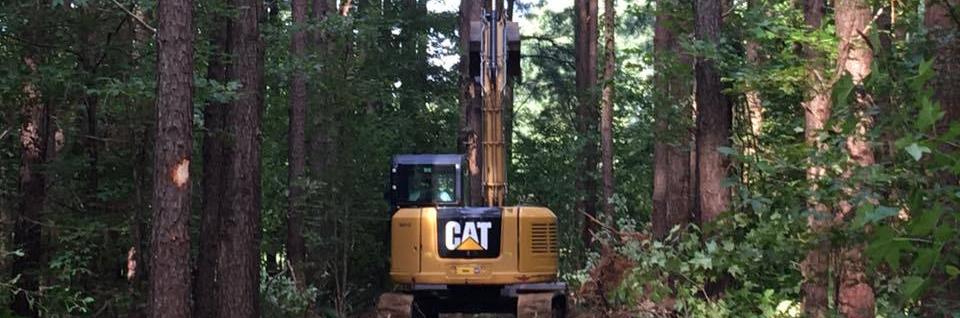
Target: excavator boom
498 37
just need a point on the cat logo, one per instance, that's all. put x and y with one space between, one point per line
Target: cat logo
471 236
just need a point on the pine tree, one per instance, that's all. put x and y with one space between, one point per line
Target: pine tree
170 249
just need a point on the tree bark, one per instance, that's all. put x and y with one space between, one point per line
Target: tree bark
322 144
754 103
671 167
213 183
815 267
508 110
942 26
170 257
296 251
606 111
239 255
470 105
585 122
34 141
855 296
714 118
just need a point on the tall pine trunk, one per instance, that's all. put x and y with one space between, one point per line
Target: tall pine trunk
239 254
714 118
942 28
170 241
508 109
34 141
585 121
606 111
213 183
854 294
942 25
296 251
470 105
671 166
816 109
754 109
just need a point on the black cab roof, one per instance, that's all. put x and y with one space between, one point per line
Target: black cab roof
427 159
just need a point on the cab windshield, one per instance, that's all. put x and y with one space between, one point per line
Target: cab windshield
427 184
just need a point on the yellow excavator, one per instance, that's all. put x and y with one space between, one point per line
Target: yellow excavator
449 257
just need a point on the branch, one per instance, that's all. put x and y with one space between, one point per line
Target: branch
863 33
135 17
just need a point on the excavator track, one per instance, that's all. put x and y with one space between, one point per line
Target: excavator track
395 305
541 305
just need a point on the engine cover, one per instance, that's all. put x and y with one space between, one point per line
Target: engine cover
469 232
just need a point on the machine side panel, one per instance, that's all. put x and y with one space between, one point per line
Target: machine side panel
405 242
538 240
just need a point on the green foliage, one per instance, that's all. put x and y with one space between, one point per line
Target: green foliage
901 202
281 298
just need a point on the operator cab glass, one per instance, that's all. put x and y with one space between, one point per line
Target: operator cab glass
426 180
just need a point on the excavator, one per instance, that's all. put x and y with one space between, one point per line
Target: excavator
448 255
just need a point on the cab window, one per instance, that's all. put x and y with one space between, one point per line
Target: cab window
426 184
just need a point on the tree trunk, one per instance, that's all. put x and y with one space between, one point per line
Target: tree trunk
817 112
754 103
213 183
606 112
854 293
34 140
90 143
239 255
714 118
508 110
296 251
815 266
671 167
136 270
942 27
170 256
322 146
585 122
470 105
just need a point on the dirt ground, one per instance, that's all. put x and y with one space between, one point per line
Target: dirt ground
573 314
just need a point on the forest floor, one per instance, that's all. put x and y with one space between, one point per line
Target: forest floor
573 314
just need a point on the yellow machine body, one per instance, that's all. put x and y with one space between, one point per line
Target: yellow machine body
528 250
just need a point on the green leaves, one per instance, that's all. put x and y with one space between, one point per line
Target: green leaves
912 285
867 214
702 261
916 151
925 222
952 271
924 74
841 91
929 115
886 247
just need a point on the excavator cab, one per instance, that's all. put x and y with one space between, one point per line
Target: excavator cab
426 180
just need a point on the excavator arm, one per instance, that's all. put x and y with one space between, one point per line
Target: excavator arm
497 44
